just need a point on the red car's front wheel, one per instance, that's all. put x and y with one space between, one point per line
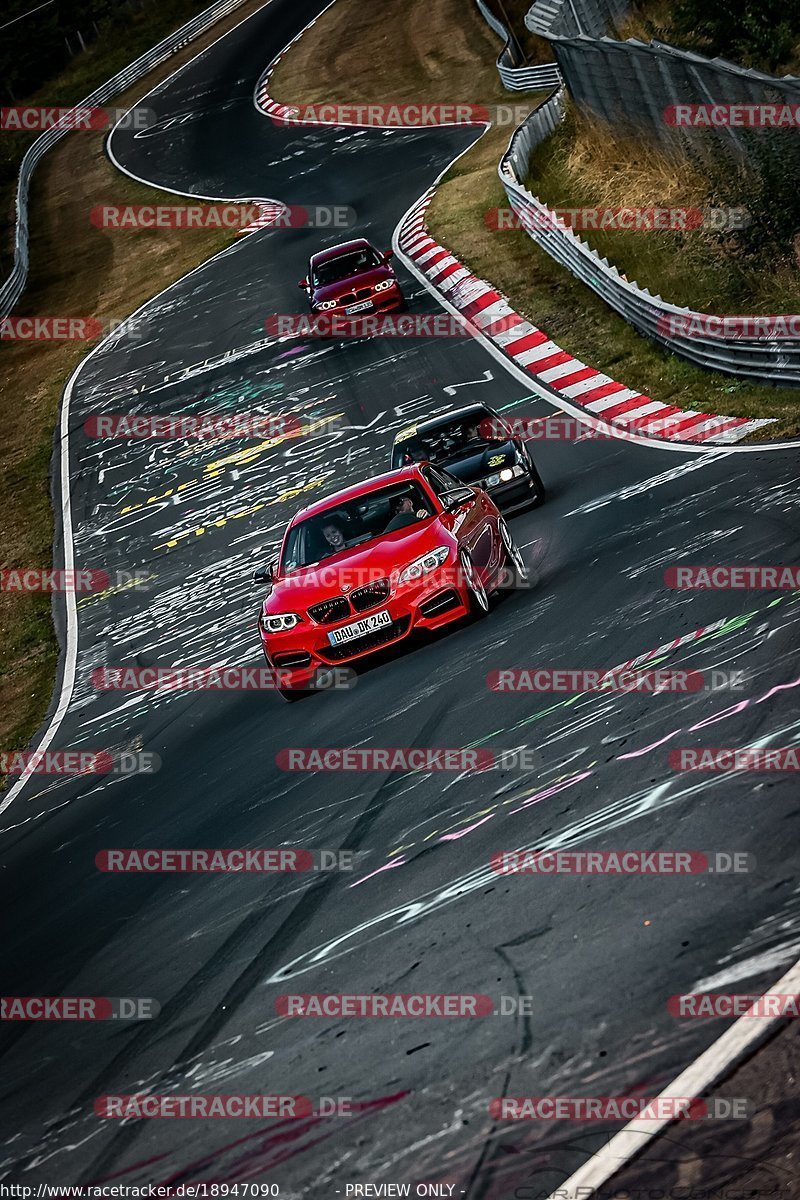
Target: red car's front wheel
476 592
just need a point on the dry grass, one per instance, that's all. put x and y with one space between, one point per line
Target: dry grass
645 22
436 51
586 162
619 168
75 269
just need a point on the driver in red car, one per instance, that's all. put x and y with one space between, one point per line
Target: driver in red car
405 514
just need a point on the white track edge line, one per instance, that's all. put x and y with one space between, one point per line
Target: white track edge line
701 1074
71 651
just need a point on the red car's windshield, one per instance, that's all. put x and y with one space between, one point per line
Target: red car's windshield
355 522
343 267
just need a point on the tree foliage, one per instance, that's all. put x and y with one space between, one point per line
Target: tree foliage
753 33
35 48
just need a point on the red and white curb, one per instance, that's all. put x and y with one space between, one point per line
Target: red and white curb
285 114
527 346
532 350
270 213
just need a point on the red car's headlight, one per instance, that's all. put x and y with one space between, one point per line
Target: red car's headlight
279 622
423 565
384 285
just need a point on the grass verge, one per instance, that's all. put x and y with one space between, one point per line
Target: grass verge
448 57
587 162
79 270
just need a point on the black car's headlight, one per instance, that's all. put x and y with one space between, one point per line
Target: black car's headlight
511 470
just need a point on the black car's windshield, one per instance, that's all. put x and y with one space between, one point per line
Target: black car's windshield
448 443
344 266
354 522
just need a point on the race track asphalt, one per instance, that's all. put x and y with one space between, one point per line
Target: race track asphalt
600 956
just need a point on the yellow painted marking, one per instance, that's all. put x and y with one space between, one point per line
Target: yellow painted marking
244 512
214 469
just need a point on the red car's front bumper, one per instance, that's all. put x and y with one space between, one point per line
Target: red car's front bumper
427 603
389 300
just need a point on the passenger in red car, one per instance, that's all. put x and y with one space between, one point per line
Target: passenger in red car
332 532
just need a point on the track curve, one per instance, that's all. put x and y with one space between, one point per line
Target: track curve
600 956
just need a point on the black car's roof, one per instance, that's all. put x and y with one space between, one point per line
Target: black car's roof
448 418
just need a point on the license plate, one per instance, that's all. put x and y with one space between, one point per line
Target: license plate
354 308
357 629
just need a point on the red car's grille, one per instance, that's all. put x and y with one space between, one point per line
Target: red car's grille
329 611
370 641
352 297
369 595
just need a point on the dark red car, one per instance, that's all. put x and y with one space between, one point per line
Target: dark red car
352 278
410 550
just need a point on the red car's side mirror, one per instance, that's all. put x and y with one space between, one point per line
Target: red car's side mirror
303 284
387 254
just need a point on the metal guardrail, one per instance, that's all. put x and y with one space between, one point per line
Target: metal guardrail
14 285
573 18
767 360
516 78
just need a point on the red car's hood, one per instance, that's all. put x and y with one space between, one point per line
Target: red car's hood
356 566
332 291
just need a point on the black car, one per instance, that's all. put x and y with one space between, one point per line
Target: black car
476 445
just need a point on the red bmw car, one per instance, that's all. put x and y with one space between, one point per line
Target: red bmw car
410 550
352 278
